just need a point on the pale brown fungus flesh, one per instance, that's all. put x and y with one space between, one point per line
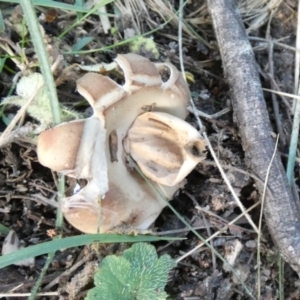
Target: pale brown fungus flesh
143 118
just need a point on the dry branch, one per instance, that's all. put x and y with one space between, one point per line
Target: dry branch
255 129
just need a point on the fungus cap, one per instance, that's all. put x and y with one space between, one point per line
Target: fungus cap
115 194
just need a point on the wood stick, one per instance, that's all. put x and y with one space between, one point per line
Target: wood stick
255 128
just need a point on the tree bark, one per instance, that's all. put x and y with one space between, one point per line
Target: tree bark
251 113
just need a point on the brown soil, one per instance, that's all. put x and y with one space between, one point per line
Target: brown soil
27 188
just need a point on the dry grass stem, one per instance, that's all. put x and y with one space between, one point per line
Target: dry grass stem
297 61
260 222
282 93
13 295
218 232
4 136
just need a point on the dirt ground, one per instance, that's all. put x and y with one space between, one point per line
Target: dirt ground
27 189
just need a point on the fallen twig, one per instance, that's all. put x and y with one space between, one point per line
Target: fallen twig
255 129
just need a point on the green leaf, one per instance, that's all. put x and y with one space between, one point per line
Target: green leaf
138 274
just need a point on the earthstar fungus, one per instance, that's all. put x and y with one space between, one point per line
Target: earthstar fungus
143 118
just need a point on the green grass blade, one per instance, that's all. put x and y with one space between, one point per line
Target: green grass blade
79 3
90 12
81 43
2 63
39 46
3 229
121 43
38 283
75 241
53 4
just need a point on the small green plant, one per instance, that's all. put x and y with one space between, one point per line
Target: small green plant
39 108
144 45
137 274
